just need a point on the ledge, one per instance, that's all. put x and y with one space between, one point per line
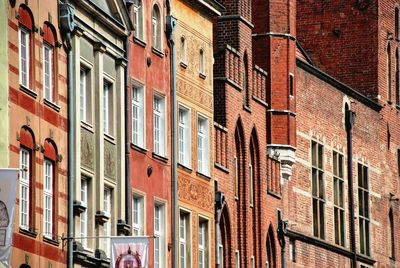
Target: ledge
28 91
203 176
160 158
230 82
221 167
183 64
202 76
328 246
157 52
139 41
51 241
101 217
276 195
187 169
260 101
28 232
52 105
78 207
123 228
246 108
139 149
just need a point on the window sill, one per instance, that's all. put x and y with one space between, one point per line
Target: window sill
87 126
52 105
28 91
51 241
202 76
246 108
28 232
183 65
157 52
263 103
185 168
139 41
203 176
138 148
221 167
276 195
109 138
160 158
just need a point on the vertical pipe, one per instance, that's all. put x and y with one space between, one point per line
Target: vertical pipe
350 120
171 23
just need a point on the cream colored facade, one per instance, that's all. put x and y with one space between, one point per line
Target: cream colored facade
98 49
194 56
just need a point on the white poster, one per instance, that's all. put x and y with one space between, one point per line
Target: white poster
8 192
129 252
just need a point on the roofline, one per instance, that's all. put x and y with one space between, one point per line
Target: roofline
338 85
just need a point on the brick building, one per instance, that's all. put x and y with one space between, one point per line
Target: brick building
254 100
150 128
36 125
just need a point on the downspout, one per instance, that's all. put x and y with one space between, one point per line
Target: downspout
171 23
350 120
67 25
127 143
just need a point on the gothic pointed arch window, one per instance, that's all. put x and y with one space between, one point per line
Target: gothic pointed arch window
26 44
26 179
389 72
271 252
224 241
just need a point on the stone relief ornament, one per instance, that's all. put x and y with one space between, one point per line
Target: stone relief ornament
87 148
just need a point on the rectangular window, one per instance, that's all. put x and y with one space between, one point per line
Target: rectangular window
251 184
159 125
48 198
184 240
203 243
138 116
184 136
201 62
138 216
338 193
363 209
137 19
24 57
47 72
236 176
291 84
108 109
24 190
85 96
107 225
318 189
203 160
84 215
159 235
237 259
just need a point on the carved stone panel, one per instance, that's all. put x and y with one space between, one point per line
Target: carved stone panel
109 160
195 193
87 149
194 93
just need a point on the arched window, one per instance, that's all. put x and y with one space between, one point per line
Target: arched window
183 50
49 67
396 23
246 81
201 62
389 72
271 254
392 236
26 179
49 189
156 27
25 42
138 19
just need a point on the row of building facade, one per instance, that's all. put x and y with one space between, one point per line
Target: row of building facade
233 133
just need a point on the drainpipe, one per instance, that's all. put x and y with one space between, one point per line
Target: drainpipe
350 117
127 143
171 24
66 18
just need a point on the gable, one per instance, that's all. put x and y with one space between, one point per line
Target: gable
109 7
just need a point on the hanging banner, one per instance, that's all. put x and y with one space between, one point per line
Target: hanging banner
8 194
129 252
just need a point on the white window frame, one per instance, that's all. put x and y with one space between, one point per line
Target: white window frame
24 189
85 93
203 243
184 141
159 125
84 215
108 107
138 120
138 11
24 66
138 208
48 198
107 208
159 235
184 239
48 72
203 152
